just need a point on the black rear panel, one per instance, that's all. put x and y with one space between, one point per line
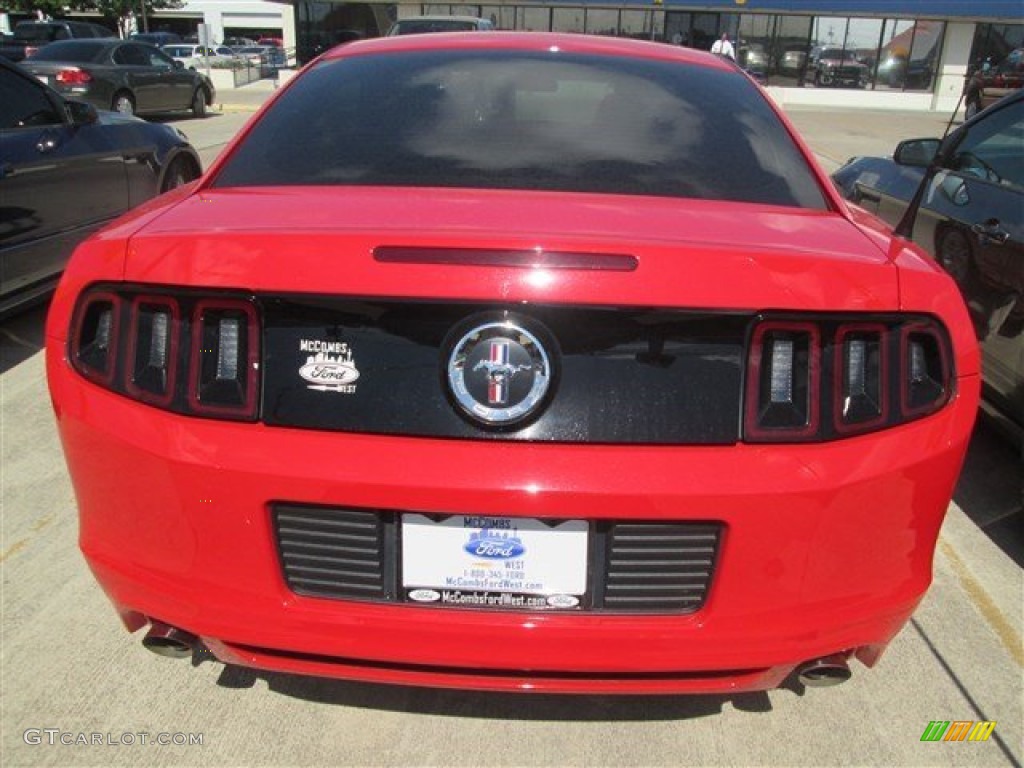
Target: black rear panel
618 375
635 566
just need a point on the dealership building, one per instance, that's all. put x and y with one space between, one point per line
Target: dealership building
913 54
906 54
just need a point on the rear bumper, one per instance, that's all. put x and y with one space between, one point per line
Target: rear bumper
827 548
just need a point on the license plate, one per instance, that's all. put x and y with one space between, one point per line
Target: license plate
476 561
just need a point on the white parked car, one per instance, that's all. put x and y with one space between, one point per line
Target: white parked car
199 56
415 25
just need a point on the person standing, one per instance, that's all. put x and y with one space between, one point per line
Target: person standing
723 47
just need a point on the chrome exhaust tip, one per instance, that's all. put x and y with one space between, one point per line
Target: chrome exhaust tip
825 672
165 640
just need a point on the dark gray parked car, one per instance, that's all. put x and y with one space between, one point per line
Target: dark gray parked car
971 218
66 170
121 75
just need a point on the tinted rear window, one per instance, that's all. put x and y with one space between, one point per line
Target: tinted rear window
419 26
39 33
535 121
69 51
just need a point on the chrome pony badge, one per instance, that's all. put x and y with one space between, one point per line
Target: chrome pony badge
499 373
330 367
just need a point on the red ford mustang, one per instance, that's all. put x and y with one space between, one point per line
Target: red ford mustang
513 362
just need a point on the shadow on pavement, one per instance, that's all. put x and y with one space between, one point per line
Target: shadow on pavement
496 706
990 489
22 335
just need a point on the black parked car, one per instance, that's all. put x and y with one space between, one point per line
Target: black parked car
65 170
121 75
159 39
971 218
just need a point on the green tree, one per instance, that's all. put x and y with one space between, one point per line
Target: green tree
112 11
55 8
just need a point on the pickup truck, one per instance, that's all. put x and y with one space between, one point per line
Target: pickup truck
30 36
11 49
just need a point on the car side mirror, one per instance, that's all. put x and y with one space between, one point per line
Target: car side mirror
179 64
82 113
916 153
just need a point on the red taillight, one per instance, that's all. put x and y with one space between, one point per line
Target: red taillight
95 340
830 377
225 362
152 360
190 354
785 370
861 369
925 370
73 76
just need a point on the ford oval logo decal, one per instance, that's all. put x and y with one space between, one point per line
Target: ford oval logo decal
494 545
329 373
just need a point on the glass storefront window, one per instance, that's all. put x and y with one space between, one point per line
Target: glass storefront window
533 19
862 41
638 24
897 36
704 30
777 49
602 21
567 20
501 16
789 49
323 25
753 42
993 43
909 55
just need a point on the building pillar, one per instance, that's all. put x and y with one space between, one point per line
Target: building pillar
952 70
213 18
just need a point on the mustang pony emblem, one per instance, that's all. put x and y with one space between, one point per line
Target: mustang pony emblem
499 371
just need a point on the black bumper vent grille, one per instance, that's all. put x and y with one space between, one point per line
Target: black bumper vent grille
664 567
334 552
635 567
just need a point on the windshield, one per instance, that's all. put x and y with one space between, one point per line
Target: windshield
536 121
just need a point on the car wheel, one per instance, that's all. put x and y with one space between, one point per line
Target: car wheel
123 103
953 252
180 172
199 103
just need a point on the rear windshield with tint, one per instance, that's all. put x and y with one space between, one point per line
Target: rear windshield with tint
533 121
70 51
419 26
40 33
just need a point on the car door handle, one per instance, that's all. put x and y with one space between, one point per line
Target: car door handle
47 143
6 169
991 232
